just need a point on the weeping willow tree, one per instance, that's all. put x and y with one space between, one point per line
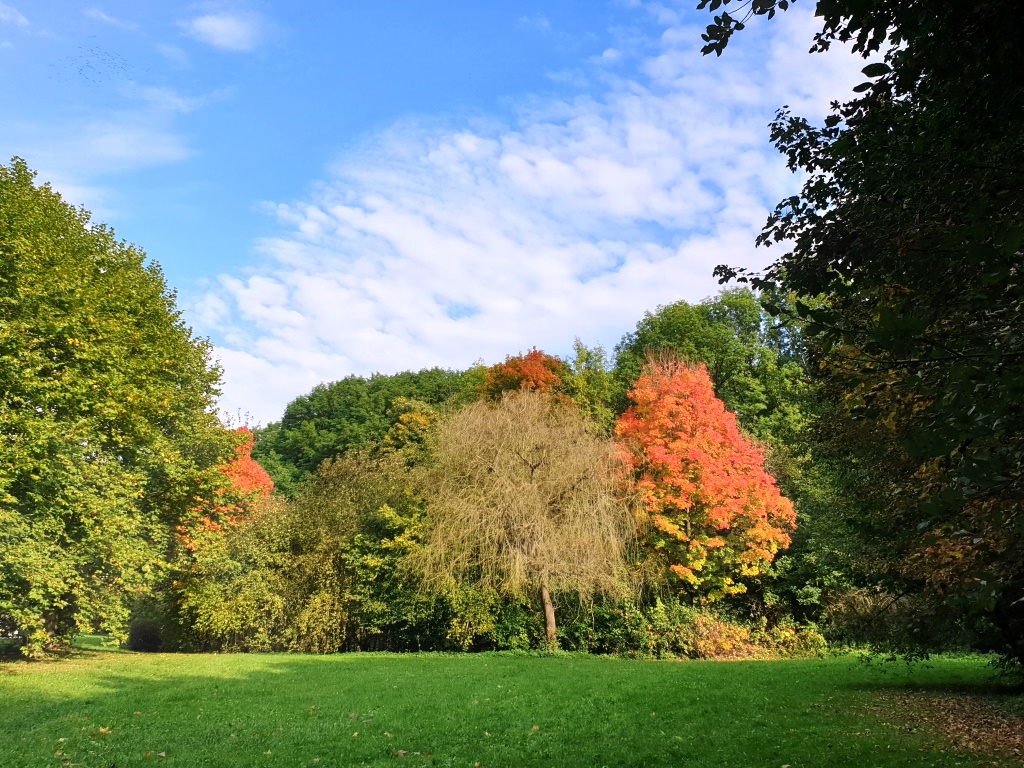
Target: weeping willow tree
525 498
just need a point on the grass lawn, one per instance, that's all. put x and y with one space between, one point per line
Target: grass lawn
102 709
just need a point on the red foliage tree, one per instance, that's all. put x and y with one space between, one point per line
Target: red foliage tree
714 513
233 491
536 370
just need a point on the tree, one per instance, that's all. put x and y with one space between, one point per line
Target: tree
535 370
106 417
715 514
231 495
751 358
352 414
524 497
910 226
321 573
589 383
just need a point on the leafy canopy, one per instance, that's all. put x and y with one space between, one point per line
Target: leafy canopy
106 417
910 226
715 514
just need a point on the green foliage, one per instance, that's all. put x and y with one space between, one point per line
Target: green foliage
327 572
589 382
353 414
749 355
910 225
106 417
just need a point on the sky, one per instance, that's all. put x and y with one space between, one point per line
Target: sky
338 188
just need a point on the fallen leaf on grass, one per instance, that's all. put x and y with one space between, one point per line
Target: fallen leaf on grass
388 735
536 727
400 753
162 754
355 734
312 710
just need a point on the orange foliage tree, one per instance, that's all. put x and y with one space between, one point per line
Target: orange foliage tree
233 491
536 370
714 513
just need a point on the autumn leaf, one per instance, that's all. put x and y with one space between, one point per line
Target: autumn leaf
714 511
535 370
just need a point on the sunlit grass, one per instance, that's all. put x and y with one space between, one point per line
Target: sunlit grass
102 709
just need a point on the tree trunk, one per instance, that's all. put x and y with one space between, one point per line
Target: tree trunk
549 615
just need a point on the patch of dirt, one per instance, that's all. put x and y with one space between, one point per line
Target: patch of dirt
967 722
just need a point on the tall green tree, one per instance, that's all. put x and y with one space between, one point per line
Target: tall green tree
753 362
107 428
910 225
352 414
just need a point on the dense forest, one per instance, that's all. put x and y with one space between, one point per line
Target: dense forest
827 453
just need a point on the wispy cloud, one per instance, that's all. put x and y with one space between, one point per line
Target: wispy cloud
442 246
173 54
539 23
97 15
169 100
229 31
111 144
10 15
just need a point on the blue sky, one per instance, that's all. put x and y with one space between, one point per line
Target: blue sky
340 188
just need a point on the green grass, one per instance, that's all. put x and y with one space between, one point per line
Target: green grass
495 710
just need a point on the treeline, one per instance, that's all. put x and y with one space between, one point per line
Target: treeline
701 490
835 457
391 492
335 561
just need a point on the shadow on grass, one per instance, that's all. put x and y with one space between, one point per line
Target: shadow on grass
496 710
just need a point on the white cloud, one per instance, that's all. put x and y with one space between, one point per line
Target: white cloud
173 53
97 15
169 100
102 146
442 246
540 23
9 15
77 155
239 32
